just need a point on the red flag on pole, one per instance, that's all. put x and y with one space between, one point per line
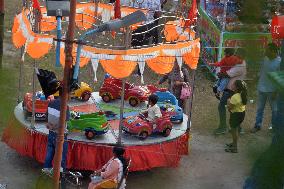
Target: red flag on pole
36 4
117 12
192 12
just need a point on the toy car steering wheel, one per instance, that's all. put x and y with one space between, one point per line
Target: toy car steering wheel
142 116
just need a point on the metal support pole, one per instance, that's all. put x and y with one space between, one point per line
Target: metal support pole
34 96
119 141
20 78
282 55
127 45
64 96
220 50
79 49
191 101
59 35
36 29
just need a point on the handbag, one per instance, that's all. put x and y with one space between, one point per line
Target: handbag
185 92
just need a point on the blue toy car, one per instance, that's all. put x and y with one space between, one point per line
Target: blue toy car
169 103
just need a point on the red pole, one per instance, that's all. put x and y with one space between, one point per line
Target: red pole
192 13
64 96
117 11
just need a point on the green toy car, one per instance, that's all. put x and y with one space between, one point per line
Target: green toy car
93 124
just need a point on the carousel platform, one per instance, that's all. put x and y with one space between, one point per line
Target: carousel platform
84 154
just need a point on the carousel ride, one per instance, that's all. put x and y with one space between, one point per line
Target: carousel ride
101 118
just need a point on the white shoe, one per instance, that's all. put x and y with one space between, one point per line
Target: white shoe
270 127
61 170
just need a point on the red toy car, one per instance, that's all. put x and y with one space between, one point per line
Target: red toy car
140 126
41 105
111 89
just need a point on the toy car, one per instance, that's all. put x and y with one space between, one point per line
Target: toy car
41 105
111 89
141 127
82 91
93 124
169 103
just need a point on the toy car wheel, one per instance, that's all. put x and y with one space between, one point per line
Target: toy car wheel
86 96
166 132
133 101
106 97
143 135
90 135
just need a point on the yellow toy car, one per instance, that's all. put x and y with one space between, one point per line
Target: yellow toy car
82 92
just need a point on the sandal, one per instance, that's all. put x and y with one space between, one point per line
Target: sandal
218 96
230 145
231 150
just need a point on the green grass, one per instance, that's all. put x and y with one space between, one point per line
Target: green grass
8 94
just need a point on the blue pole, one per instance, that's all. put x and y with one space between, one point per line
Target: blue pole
59 36
77 65
79 49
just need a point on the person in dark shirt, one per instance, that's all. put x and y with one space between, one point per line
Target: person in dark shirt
176 79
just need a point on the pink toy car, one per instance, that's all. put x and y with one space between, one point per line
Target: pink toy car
141 127
111 89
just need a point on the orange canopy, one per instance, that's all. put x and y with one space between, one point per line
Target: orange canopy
119 63
118 67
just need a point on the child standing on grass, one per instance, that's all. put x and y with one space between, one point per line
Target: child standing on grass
237 106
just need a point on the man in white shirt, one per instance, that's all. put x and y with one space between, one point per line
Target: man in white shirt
266 90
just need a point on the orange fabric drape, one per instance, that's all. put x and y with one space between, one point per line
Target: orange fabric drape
37 49
83 60
185 36
86 19
16 25
172 34
170 31
162 64
17 35
47 23
118 68
18 39
192 58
